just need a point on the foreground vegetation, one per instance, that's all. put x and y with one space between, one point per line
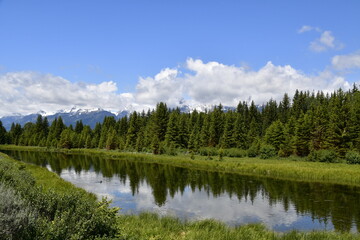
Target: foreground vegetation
281 168
37 204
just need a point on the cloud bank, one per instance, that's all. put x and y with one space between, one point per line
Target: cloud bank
202 83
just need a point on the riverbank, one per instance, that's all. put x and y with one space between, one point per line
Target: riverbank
294 169
25 179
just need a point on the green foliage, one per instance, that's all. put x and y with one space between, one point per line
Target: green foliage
235 152
28 211
254 149
208 151
17 218
323 155
352 157
275 135
267 151
221 154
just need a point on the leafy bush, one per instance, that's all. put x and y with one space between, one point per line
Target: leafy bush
17 218
323 155
267 151
170 150
208 151
235 152
253 151
221 154
352 157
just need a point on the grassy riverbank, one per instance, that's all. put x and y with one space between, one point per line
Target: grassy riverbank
282 168
59 210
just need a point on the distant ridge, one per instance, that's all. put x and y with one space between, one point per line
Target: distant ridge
88 116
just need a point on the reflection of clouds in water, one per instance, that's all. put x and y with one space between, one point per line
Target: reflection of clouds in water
197 205
193 205
96 183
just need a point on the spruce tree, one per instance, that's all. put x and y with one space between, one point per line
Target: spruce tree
240 133
172 136
275 135
303 135
2 134
228 138
133 129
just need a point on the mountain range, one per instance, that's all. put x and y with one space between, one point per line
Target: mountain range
88 116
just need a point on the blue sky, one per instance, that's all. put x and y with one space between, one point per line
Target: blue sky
115 49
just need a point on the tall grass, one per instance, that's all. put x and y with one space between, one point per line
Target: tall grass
151 226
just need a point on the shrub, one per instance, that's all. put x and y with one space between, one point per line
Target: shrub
352 157
253 151
221 154
17 219
208 151
323 155
267 151
170 150
235 152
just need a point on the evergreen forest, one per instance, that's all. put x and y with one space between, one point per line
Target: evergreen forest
319 126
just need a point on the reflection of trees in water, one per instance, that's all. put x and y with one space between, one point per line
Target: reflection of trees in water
325 202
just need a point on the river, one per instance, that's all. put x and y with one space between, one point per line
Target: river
194 195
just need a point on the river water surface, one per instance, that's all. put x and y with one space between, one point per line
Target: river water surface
193 194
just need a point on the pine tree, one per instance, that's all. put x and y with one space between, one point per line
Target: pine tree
79 126
160 121
216 126
320 125
205 132
269 114
60 126
227 139
240 133
15 133
194 138
284 109
275 135
66 139
172 136
184 130
2 134
303 135
111 141
133 129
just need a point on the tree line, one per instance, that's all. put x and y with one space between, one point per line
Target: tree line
307 123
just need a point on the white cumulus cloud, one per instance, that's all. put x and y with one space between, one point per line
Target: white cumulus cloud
214 82
350 61
29 92
164 87
204 83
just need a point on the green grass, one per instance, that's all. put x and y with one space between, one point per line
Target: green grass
294 168
145 225
42 177
151 226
